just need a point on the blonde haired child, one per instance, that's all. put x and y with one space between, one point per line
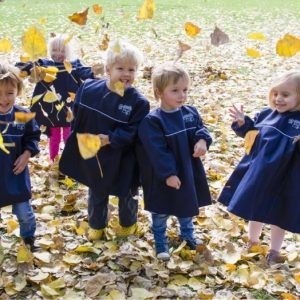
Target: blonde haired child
55 118
100 108
264 188
24 137
173 178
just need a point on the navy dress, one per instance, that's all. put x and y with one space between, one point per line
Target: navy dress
63 84
168 140
99 110
265 186
16 188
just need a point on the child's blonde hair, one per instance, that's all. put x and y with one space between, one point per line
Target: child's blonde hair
292 77
165 74
9 75
63 41
122 51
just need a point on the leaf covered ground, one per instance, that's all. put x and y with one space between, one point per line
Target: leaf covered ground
70 267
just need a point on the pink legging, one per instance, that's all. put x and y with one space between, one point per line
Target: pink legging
55 138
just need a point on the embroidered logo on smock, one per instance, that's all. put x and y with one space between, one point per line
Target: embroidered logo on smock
125 109
19 126
188 118
295 123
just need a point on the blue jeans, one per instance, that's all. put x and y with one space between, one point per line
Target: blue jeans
159 227
97 210
26 218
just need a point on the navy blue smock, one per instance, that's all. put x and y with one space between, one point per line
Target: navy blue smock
265 186
99 110
63 84
168 140
16 188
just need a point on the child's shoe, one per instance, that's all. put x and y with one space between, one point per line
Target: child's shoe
164 256
192 243
95 234
126 231
29 242
274 257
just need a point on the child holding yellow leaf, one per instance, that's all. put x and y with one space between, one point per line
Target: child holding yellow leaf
264 188
57 80
107 114
19 137
173 178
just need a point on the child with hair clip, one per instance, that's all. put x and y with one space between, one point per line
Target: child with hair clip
264 188
112 109
173 178
69 74
19 143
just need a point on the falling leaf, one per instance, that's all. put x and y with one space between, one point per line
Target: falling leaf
116 48
104 43
42 21
2 146
256 36
79 18
89 144
50 97
37 74
250 139
253 53
191 29
36 99
24 58
49 78
68 39
34 43
182 47
68 66
72 96
70 116
24 117
5 45
288 46
119 88
147 10
218 37
97 9
24 255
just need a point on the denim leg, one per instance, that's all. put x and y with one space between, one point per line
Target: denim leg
26 218
159 227
128 208
186 228
97 210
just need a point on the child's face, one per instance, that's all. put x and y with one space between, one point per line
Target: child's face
123 71
58 54
174 95
8 95
285 97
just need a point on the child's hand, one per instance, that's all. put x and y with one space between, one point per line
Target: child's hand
200 148
173 182
237 114
296 139
104 139
21 162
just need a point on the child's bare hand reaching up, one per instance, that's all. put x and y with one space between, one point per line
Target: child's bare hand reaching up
200 148
174 182
237 114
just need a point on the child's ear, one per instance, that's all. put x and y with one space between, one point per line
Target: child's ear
107 70
157 93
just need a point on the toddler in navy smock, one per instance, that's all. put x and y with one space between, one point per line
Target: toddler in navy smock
54 112
101 108
173 178
20 142
264 188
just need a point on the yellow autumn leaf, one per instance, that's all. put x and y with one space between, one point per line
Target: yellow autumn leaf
89 144
68 182
68 39
36 98
83 227
2 146
119 88
83 248
68 66
12 225
250 139
57 284
191 29
256 36
289 296
24 58
79 18
288 46
104 43
5 45
253 53
72 96
48 291
24 255
72 259
147 10
141 293
34 43
59 106
50 97
49 78
51 70
97 9
24 117
42 21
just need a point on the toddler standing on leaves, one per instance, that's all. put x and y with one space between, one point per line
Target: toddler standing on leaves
23 140
264 188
